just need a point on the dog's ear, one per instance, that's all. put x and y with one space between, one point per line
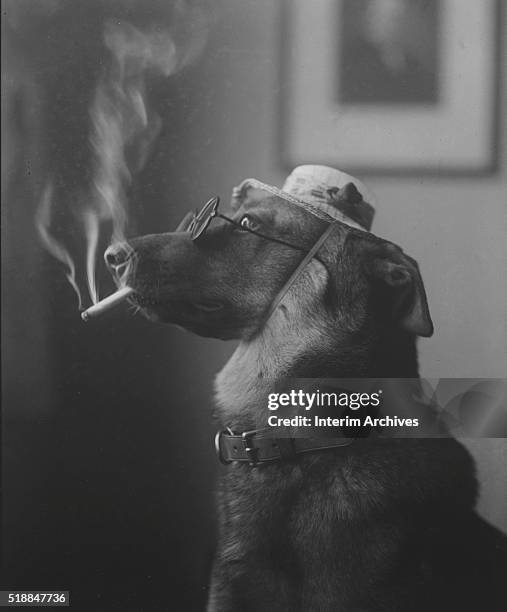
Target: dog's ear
185 222
246 193
237 197
399 274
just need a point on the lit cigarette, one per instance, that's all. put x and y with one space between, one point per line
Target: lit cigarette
107 303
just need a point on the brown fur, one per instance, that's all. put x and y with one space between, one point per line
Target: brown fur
382 525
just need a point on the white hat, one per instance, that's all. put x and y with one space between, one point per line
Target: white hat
325 192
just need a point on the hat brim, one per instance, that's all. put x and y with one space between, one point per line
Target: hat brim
323 211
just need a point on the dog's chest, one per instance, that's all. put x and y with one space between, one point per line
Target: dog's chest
243 384
292 527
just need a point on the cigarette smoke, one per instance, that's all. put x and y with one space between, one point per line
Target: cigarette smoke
120 119
57 250
140 40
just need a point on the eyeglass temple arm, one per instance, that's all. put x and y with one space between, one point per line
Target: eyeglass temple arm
271 239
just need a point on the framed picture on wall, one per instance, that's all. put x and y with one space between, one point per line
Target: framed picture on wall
378 86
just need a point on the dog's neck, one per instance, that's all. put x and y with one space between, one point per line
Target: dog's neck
298 344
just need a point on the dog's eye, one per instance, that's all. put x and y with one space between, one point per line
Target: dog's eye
248 223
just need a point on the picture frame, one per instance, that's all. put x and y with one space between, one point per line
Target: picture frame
338 109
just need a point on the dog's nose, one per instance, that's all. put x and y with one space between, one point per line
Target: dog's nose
117 257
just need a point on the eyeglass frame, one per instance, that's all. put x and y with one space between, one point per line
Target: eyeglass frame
215 201
214 214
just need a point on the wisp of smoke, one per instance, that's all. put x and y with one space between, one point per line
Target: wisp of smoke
120 119
43 222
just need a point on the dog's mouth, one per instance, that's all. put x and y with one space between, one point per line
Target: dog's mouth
170 310
147 301
202 317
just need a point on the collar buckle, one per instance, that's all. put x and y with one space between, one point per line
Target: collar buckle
250 450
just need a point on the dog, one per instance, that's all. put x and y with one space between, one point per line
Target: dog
376 525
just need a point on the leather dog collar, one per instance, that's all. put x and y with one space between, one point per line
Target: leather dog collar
259 446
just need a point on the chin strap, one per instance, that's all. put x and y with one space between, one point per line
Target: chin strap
259 446
297 273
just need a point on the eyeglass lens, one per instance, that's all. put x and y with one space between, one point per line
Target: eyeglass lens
203 218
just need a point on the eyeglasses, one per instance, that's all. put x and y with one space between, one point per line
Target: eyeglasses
198 223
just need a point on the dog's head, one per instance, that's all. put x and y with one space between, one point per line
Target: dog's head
223 284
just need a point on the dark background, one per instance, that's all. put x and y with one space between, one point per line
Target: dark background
108 460
108 463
